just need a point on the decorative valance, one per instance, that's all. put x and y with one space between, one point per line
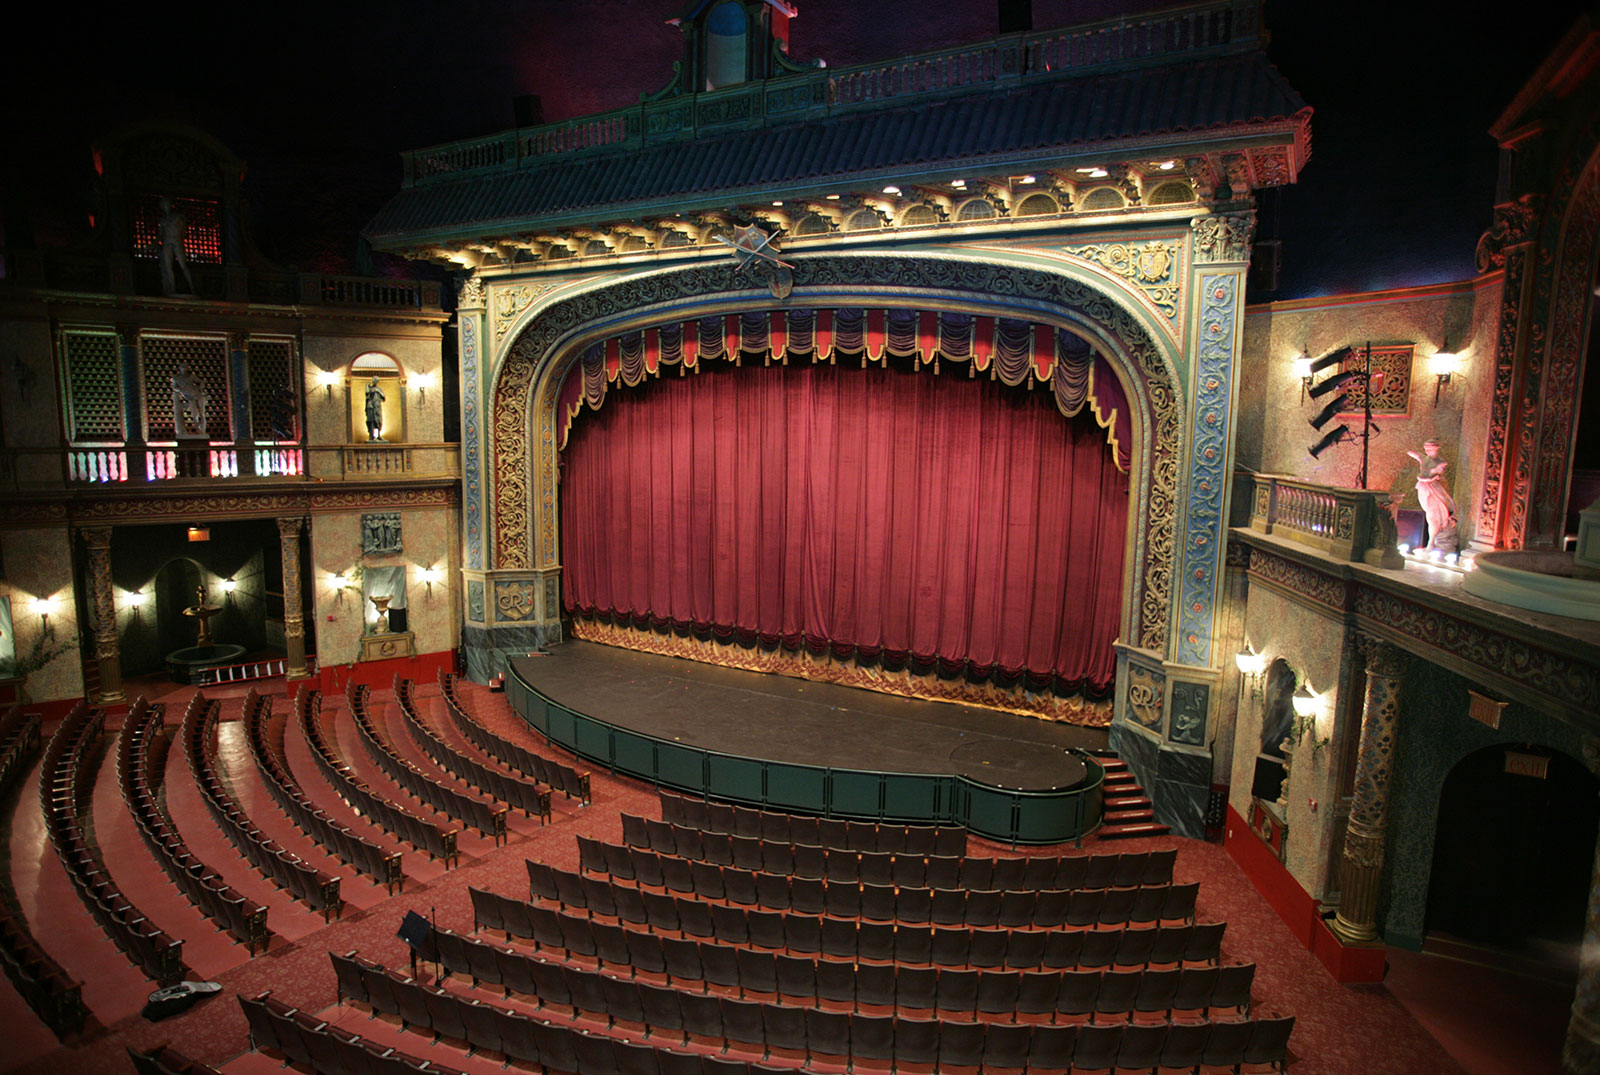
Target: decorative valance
1011 351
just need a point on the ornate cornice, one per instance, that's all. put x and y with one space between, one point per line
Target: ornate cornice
1301 583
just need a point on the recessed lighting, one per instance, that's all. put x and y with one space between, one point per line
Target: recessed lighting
777 203
959 184
1027 179
1167 166
833 197
891 189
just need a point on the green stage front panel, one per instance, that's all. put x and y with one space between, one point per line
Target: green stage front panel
1048 819
635 754
735 778
559 724
799 788
592 739
989 811
912 797
855 793
681 767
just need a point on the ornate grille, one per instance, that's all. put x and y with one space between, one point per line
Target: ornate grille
1394 393
274 403
202 240
207 360
94 387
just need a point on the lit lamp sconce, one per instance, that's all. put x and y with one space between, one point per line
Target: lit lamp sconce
1253 667
327 379
228 586
43 607
1443 364
340 584
133 601
431 575
1308 711
423 381
1302 370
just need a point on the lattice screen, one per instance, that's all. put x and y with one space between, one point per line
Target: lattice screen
94 387
207 359
1394 395
274 400
202 240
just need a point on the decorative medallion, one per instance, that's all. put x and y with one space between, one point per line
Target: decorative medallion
475 600
514 600
1190 704
1147 266
1145 695
508 303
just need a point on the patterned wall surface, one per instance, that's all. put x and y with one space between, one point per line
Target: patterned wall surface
207 359
274 403
94 386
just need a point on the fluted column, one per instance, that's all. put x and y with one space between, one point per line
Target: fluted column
107 654
294 620
1369 808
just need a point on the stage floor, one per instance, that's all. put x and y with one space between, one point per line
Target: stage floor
784 719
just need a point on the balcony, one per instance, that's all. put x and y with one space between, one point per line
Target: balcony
1353 525
46 470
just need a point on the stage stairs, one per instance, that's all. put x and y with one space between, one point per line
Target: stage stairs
1128 810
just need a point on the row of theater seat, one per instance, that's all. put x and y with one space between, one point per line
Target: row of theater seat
945 946
787 1037
1082 908
387 814
525 795
572 783
911 868
238 914
157 954
472 810
325 1049
708 816
363 854
165 1060
46 986
1020 908
317 890
1175 993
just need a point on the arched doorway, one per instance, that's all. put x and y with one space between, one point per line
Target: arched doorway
1514 851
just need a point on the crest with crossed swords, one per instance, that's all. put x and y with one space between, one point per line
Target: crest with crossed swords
755 249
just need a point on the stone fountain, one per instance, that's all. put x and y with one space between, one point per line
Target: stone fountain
1558 583
185 665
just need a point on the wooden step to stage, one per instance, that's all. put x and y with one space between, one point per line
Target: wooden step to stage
1128 811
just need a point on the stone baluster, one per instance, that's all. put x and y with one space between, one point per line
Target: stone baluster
294 622
1356 921
107 654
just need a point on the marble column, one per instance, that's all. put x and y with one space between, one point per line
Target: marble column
106 652
294 620
1582 1051
1356 921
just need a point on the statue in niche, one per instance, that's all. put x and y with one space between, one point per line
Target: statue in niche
1437 504
172 227
375 398
188 403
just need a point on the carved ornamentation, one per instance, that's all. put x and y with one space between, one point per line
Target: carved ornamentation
97 539
1238 555
514 600
1223 238
1146 695
314 499
508 303
1151 267
1190 704
471 294
1394 395
380 532
1154 519
294 625
1513 224
1208 467
1305 584
475 600
1383 659
471 444
1505 359
1363 851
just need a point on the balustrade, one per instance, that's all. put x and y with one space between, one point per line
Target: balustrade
1350 524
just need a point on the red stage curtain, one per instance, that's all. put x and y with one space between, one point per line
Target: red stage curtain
879 513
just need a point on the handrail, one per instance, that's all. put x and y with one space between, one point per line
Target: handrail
1349 524
1209 28
1014 815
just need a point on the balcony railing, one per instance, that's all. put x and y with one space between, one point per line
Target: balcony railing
1197 30
1349 524
24 470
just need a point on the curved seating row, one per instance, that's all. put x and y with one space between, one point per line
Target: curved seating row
1098 870
46 986
388 814
843 938
363 854
572 783
525 795
238 914
487 817
317 890
326 1049
802 1034
846 835
1168 993
165 1060
157 954
1078 908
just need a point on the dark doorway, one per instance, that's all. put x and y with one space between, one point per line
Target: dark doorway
1514 853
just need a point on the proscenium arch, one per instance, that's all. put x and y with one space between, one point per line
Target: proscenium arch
521 441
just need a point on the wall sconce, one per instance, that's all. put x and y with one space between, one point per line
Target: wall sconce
133 600
340 582
423 381
1302 370
44 606
431 575
228 586
1443 364
327 379
1253 667
1308 708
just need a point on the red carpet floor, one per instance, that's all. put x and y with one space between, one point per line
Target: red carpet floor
1340 1030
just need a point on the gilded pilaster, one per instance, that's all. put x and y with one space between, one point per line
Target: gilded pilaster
107 655
294 622
1369 809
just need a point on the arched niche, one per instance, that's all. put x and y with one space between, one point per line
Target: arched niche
521 443
375 385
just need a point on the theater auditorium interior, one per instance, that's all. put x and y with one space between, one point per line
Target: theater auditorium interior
735 536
